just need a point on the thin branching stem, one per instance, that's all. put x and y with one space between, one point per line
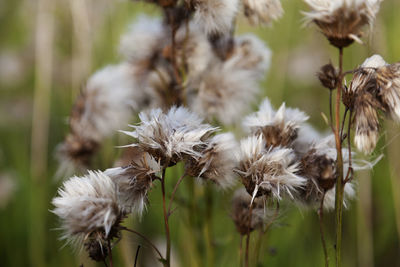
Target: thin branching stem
246 257
349 174
110 253
321 229
339 180
331 111
241 251
343 122
145 239
263 232
173 193
167 233
136 256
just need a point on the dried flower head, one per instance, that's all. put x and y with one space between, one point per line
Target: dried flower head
134 181
106 104
366 122
170 136
227 87
278 128
88 209
262 11
143 40
217 161
388 81
215 15
341 21
362 98
271 171
241 212
328 76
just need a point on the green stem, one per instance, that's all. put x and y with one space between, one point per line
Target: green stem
208 226
321 229
339 180
167 233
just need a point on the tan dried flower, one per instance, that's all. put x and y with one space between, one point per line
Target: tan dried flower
240 213
217 161
341 21
271 171
278 128
262 11
169 137
89 211
134 181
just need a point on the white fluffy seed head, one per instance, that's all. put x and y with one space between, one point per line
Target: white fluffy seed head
217 162
170 136
224 93
278 128
342 20
86 205
142 40
270 171
262 11
134 181
215 16
106 104
250 53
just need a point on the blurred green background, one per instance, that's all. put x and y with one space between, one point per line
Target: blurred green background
48 49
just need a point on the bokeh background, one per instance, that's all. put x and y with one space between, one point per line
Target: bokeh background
49 48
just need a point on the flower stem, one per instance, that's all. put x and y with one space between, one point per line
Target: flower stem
167 234
241 251
339 180
246 258
145 239
173 193
321 229
110 252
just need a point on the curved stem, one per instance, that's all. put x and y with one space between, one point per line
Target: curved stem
321 229
339 180
167 234
145 239
241 251
136 256
349 174
109 252
330 111
173 193
246 258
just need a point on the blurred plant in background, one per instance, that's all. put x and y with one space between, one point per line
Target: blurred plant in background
89 38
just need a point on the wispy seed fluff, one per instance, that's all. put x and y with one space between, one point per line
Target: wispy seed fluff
106 104
271 171
215 16
88 208
341 21
240 213
228 86
318 166
170 136
217 161
278 128
375 87
142 40
262 11
134 181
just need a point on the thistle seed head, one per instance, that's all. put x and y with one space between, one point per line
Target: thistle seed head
88 208
342 21
262 11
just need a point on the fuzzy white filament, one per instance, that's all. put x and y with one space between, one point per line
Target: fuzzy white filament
85 205
169 136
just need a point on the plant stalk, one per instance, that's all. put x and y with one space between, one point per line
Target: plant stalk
167 233
339 180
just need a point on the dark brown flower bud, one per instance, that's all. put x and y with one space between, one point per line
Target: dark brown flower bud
328 76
